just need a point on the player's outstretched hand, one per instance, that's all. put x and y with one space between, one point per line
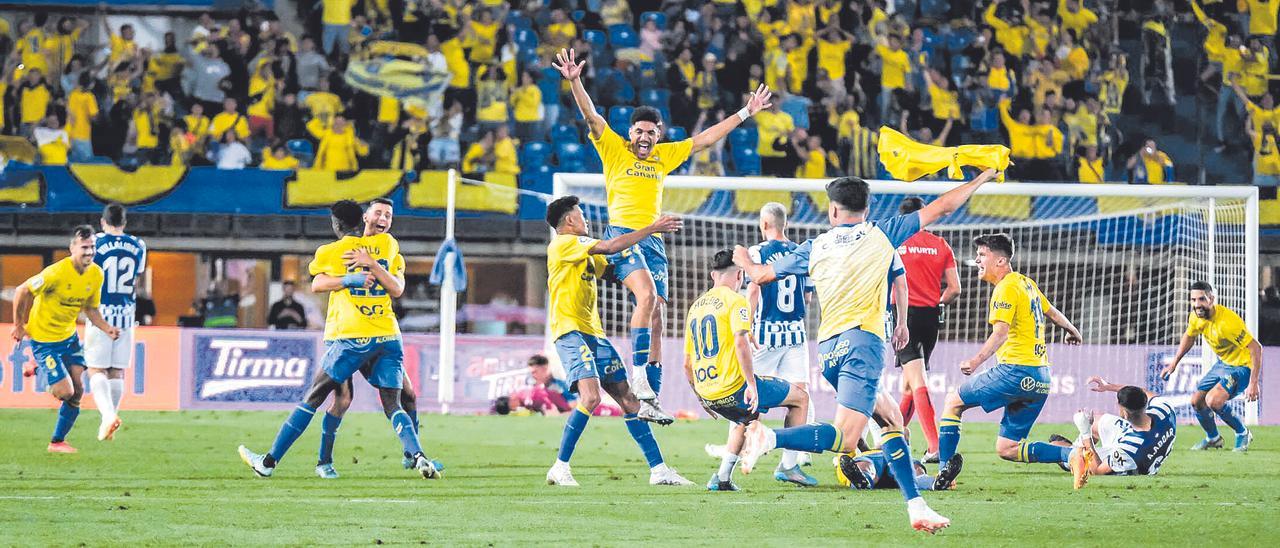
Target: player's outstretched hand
568 65
967 367
1251 393
1168 370
759 100
668 223
741 256
1097 384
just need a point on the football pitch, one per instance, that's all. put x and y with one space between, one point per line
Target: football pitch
174 478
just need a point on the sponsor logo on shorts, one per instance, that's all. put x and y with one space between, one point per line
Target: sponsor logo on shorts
830 359
252 369
1031 385
613 367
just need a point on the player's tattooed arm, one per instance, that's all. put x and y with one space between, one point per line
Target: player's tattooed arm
999 334
756 101
759 274
1061 320
951 201
664 224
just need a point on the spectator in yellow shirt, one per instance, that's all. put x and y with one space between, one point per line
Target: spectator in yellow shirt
504 152
1262 19
123 48
1033 146
1266 155
1089 168
1075 17
527 106
1013 36
197 127
52 142
279 159
772 124
229 119
336 17
145 128
492 99
82 108
1232 69
813 159
480 157
339 148
1150 165
31 45
894 68
833 46
34 98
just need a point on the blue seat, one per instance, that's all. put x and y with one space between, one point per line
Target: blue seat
656 16
526 39
300 146
676 133
519 20
535 153
744 138
657 98
573 167
549 85
746 161
959 39
592 160
623 36
620 119
597 38
578 15
541 169
569 153
565 133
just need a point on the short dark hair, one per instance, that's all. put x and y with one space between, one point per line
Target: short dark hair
1132 398
911 204
538 359
502 405
850 193
114 214
646 114
1202 286
559 208
82 232
384 201
348 215
999 242
722 260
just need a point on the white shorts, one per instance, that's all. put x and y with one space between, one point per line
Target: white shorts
100 352
789 363
1111 430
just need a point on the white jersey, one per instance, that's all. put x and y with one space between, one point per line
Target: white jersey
781 310
123 259
1137 452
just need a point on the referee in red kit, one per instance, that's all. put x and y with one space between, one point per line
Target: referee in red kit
930 266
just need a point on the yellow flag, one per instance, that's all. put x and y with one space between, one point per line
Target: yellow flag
908 160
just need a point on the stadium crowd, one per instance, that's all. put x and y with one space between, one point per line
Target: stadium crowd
1047 78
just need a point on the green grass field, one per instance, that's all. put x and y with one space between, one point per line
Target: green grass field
174 478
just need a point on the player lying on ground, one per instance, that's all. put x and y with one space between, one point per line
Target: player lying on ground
45 308
1019 382
718 365
1237 370
849 265
870 470
123 259
634 172
376 220
361 275
1133 442
574 262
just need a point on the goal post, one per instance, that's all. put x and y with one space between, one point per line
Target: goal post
1116 259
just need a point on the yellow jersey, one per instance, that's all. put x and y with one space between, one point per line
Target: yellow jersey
61 293
633 186
1262 16
357 313
227 121
895 65
526 103
1077 21
714 321
337 12
831 57
82 108
1226 334
1090 172
1017 301
34 104
572 271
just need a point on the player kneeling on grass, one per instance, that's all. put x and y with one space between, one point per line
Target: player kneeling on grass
1133 442
871 470
718 363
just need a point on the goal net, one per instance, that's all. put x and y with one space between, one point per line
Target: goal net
1116 259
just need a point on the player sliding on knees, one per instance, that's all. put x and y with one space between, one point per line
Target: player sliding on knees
1238 367
849 266
634 172
1019 382
574 262
45 308
1134 442
362 275
718 364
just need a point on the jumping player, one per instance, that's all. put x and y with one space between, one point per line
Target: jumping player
574 262
45 308
634 171
361 275
1134 442
123 259
849 265
719 366
1237 370
1019 382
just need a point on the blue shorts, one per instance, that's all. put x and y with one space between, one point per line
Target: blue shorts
882 475
380 359
54 359
852 362
1019 389
650 254
1234 378
589 357
770 393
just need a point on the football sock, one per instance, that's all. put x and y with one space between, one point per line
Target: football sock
643 435
809 417
788 459
289 433
1230 419
726 467
1205 416
906 406
948 437
573 429
1038 451
404 430
899 454
66 419
812 438
928 422
653 372
117 392
100 388
328 433
639 346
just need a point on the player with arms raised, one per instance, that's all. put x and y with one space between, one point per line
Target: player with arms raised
45 308
361 275
574 262
1237 370
634 172
1135 442
719 366
849 265
1019 382
123 259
